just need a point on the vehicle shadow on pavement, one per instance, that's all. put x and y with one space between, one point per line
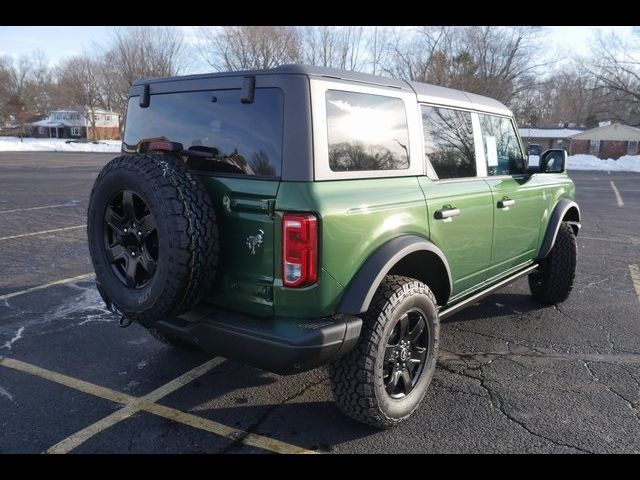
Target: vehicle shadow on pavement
498 305
275 406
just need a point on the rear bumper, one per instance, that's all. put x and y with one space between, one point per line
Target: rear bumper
281 346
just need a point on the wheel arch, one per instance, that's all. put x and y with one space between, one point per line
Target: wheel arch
408 255
565 211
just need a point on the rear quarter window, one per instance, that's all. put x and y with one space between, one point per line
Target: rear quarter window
366 132
217 130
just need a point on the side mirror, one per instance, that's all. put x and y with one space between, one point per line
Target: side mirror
553 161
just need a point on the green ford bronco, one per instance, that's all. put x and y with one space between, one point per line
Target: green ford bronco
300 216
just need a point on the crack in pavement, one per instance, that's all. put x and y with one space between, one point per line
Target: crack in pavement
498 405
623 357
596 379
438 384
510 343
563 313
253 428
494 400
633 377
608 335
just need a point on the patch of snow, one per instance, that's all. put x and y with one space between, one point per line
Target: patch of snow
15 338
627 163
4 393
132 384
87 306
83 306
13 144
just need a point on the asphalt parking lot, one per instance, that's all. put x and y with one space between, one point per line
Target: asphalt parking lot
512 376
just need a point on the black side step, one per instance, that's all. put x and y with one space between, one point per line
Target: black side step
447 312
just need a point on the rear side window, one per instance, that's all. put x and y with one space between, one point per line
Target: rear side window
448 142
223 134
366 132
501 146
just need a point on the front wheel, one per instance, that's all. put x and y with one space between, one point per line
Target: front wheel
553 281
385 377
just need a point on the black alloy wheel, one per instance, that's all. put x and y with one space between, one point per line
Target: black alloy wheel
153 237
382 380
130 239
405 354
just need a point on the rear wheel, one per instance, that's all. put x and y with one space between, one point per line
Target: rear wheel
385 377
152 236
553 281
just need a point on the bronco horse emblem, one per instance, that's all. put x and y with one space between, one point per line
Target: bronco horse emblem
254 241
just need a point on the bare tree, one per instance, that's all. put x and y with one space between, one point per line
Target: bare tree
249 47
342 47
17 105
25 87
496 61
418 54
134 53
567 98
320 46
5 91
379 47
80 86
616 66
40 83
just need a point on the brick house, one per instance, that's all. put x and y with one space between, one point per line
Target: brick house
74 124
608 141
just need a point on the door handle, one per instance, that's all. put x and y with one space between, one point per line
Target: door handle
506 202
446 213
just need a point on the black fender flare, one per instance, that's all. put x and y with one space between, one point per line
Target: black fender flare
365 282
559 212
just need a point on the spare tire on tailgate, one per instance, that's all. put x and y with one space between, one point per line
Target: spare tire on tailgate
153 237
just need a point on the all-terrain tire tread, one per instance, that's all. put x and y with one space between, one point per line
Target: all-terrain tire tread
352 376
188 211
558 269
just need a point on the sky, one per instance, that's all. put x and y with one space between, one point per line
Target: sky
59 42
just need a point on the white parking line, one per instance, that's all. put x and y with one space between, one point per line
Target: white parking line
71 204
634 271
47 285
617 192
132 407
22 235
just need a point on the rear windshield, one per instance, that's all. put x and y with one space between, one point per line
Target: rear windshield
217 131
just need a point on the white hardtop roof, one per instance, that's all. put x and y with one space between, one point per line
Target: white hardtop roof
425 92
457 98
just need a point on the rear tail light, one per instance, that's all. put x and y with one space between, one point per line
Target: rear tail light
299 250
